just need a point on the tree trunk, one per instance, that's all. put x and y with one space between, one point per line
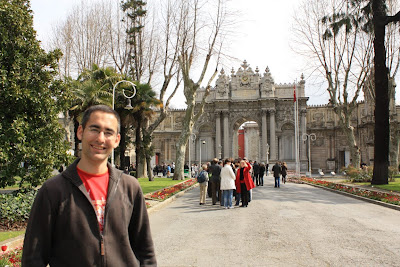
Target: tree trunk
67 127
354 149
394 145
149 167
76 125
381 131
345 125
140 157
122 148
183 140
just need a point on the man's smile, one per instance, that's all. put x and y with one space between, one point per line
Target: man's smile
98 147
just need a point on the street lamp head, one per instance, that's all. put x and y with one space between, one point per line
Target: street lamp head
203 142
129 105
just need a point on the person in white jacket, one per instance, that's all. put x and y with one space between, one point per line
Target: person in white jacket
228 178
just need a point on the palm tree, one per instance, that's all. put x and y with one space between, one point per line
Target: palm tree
92 87
143 109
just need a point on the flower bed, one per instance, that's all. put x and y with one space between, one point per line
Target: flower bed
384 197
165 193
11 258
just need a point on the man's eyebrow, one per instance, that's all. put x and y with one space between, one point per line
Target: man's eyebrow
94 126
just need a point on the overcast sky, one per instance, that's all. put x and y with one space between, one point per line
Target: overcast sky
263 37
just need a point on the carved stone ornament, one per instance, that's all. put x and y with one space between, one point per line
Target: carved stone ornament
222 85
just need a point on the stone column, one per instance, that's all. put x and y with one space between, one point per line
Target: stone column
264 136
226 134
303 130
273 155
218 134
166 150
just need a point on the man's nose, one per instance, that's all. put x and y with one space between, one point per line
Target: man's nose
101 136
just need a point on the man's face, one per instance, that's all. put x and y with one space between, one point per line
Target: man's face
99 137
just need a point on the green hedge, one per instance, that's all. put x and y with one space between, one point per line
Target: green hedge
15 207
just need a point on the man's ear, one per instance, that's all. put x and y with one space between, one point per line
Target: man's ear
116 144
79 132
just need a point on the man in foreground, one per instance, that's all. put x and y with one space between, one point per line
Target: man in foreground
91 214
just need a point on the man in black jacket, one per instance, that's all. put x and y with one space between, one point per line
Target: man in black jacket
91 214
215 170
276 169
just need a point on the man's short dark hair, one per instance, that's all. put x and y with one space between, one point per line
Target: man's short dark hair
102 108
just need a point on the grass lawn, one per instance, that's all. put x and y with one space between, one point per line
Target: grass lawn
10 234
157 184
392 186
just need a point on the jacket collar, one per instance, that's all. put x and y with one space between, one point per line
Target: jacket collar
71 173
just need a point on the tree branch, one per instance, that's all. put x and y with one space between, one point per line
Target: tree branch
394 18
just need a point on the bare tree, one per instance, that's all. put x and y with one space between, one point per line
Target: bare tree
343 55
201 36
83 38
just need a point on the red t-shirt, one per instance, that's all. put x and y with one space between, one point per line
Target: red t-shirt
97 186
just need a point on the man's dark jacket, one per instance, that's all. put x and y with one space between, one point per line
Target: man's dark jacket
63 229
215 171
277 170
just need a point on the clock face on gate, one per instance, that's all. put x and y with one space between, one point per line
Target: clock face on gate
245 79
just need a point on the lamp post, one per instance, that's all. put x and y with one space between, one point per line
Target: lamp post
128 106
309 137
202 142
192 138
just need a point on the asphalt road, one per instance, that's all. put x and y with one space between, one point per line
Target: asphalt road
295 225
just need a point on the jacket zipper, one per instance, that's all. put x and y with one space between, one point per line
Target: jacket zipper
109 198
102 246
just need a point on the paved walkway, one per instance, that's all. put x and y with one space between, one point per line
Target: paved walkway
295 225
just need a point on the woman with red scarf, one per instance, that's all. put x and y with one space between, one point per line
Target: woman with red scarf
244 182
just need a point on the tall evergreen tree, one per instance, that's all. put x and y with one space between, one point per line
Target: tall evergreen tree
31 139
135 12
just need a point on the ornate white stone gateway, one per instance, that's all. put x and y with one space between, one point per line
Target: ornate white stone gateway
246 95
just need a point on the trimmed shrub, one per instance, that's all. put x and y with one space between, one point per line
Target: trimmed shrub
15 208
357 175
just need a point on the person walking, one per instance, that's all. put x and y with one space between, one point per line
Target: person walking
276 169
215 170
91 214
261 174
256 172
284 172
202 178
244 182
228 178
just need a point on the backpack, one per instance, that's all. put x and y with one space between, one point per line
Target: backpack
201 178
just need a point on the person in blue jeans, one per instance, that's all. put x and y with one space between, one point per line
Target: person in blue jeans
228 178
277 170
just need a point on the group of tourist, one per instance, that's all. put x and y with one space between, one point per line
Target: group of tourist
223 180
